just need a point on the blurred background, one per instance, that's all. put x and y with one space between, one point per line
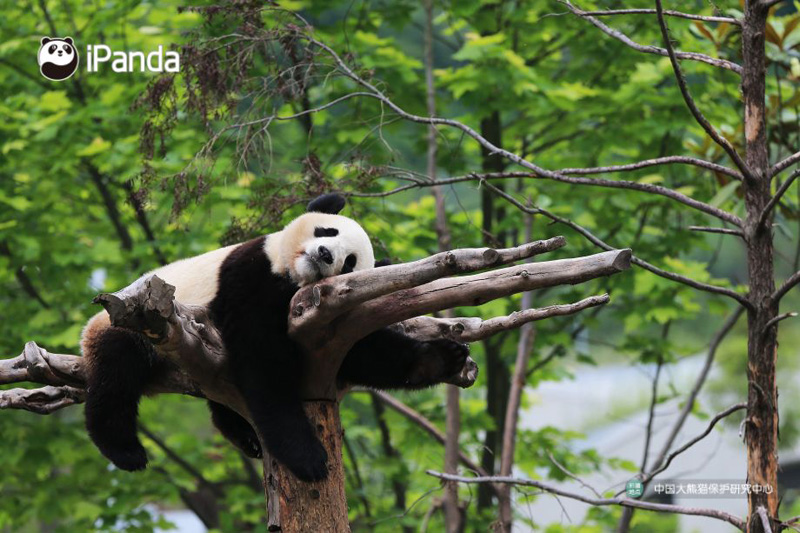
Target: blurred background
107 175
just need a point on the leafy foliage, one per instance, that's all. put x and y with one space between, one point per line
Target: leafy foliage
108 175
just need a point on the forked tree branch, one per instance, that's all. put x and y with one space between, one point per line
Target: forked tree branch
668 12
342 310
599 502
687 97
616 34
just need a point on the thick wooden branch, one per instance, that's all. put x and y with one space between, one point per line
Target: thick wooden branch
42 401
323 301
478 289
472 329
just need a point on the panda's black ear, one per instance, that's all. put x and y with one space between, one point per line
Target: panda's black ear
46 40
383 263
68 40
327 203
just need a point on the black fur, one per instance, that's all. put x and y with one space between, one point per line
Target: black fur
236 429
389 359
251 311
327 203
123 363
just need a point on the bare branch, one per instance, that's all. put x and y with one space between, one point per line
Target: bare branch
481 288
688 405
635 260
666 160
762 513
790 282
777 319
616 34
43 401
668 12
426 425
786 163
623 502
719 416
687 97
330 297
762 219
723 231
37 365
558 176
472 329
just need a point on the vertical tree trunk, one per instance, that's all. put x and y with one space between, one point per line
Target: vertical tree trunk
294 506
497 375
762 396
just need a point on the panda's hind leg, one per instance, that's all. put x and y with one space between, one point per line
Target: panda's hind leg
121 363
236 429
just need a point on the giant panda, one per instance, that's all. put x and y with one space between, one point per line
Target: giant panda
248 288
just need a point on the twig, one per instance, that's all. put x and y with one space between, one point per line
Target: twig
668 12
777 319
571 475
777 198
723 231
688 405
624 502
616 34
790 282
762 513
695 440
687 97
786 163
635 260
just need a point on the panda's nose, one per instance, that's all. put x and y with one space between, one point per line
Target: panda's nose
325 254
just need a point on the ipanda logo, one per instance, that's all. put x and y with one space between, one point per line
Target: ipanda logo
58 59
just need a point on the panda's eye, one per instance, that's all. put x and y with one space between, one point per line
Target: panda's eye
325 232
67 49
349 263
52 49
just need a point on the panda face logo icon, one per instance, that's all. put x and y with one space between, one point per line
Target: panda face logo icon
58 58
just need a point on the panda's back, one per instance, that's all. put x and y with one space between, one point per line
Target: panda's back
196 279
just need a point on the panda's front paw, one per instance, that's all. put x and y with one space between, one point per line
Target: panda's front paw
439 360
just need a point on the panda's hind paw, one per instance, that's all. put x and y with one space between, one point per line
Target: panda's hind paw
130 460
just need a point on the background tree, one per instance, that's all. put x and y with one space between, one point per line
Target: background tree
563 93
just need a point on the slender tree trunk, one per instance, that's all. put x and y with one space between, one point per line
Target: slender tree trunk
294 506
762 396
497 375
454 520
527 334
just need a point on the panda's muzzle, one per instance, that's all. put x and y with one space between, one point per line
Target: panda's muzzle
325 255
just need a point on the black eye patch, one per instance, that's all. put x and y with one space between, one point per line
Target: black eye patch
349 263
326 232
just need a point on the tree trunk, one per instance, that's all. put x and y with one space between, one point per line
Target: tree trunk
762 396
294 506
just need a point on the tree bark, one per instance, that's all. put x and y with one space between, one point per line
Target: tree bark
762 395
294 506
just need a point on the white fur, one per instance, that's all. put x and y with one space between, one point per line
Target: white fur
294 250
196 278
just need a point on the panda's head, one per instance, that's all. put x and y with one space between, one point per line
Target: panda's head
58 58
320 244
